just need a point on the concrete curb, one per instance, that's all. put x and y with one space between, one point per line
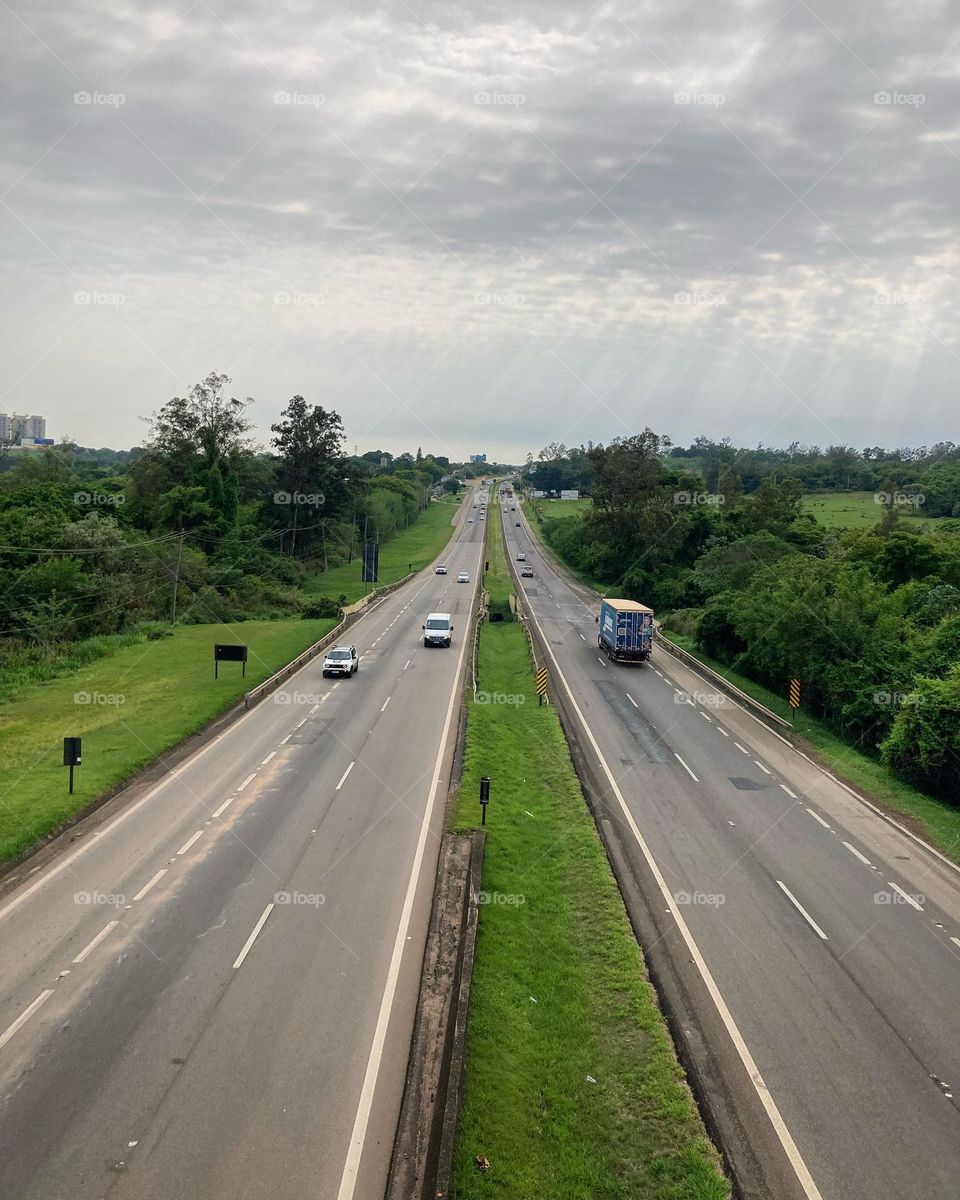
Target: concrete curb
421 1166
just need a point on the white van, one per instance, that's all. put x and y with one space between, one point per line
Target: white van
438 631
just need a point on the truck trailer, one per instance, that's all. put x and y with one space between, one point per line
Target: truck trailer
625 630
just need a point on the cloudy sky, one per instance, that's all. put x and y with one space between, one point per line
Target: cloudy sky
487 226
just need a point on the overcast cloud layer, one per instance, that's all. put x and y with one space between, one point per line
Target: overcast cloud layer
487 227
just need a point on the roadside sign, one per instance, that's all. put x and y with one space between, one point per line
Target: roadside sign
542 683
71 756
227 652
794 694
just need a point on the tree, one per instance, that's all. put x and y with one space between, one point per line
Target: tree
308 441
203 423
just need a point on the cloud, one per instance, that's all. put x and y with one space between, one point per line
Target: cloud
493 218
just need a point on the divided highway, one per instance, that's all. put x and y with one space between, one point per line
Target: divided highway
819 943
212 995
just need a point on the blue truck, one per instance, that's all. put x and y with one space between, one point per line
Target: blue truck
625 630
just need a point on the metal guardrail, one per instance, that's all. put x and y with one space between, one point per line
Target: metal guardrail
720 681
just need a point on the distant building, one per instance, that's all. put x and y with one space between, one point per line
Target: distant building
23 428
478 458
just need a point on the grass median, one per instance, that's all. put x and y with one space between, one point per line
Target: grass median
128 707
573 1088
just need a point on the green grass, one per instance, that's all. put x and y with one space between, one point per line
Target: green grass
418 544
168 691
858 510
934 820
562 508
560 990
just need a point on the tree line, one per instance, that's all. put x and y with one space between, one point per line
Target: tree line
868 620
199 523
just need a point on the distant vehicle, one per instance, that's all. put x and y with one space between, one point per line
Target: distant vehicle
625 630
463 577
341 660
513 508
521 557
517 524
483 516
469 520
526 571
437 631
441 569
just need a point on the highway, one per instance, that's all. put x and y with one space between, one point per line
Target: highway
212 995
817 944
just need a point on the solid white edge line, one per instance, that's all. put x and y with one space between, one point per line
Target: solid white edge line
272 754
801 910
91 946
909 899
24 1016
856 853
253 936
685 767
187 844
351 1166
816 816
147 886
343 777
248 779
800 1168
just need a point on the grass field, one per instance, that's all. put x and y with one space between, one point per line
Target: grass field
140 701
562 508
858 510
932 819
418 544
573 1088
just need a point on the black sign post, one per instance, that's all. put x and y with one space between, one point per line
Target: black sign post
225 652
71 756
484 797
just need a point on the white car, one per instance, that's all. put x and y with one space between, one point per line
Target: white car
521 557
441 570
341 660
463 577
437 631
469 520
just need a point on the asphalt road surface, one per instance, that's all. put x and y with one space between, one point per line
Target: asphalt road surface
212 996
831 938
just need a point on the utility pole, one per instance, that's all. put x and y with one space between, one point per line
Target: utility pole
176 581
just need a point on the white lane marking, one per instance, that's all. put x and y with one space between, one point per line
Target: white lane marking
316 706
785 1137
706 716
742 749
723 731
764 769
407 663
956 941
272 754
579 634
632 701
252 775
253 936
283 741
909 899
803 912
24 1016
385 703
91 946
336 685
343 777
856 853
187 844
301 725
660 673
600 661
225 805
816 816
152 883
685 767
792 795
351 1166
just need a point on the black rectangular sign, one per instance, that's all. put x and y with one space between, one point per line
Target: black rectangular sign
371 562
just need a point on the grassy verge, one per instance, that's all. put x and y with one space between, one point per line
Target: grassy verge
573 1089
932 819
140 701
418 544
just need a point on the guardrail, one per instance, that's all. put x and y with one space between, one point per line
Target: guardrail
720 681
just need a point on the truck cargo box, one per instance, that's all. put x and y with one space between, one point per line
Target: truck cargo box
625 630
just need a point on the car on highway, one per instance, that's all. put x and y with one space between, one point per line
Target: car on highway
463 577
469 520
521 557
341 660
437 630
517 524
441 570
526 571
